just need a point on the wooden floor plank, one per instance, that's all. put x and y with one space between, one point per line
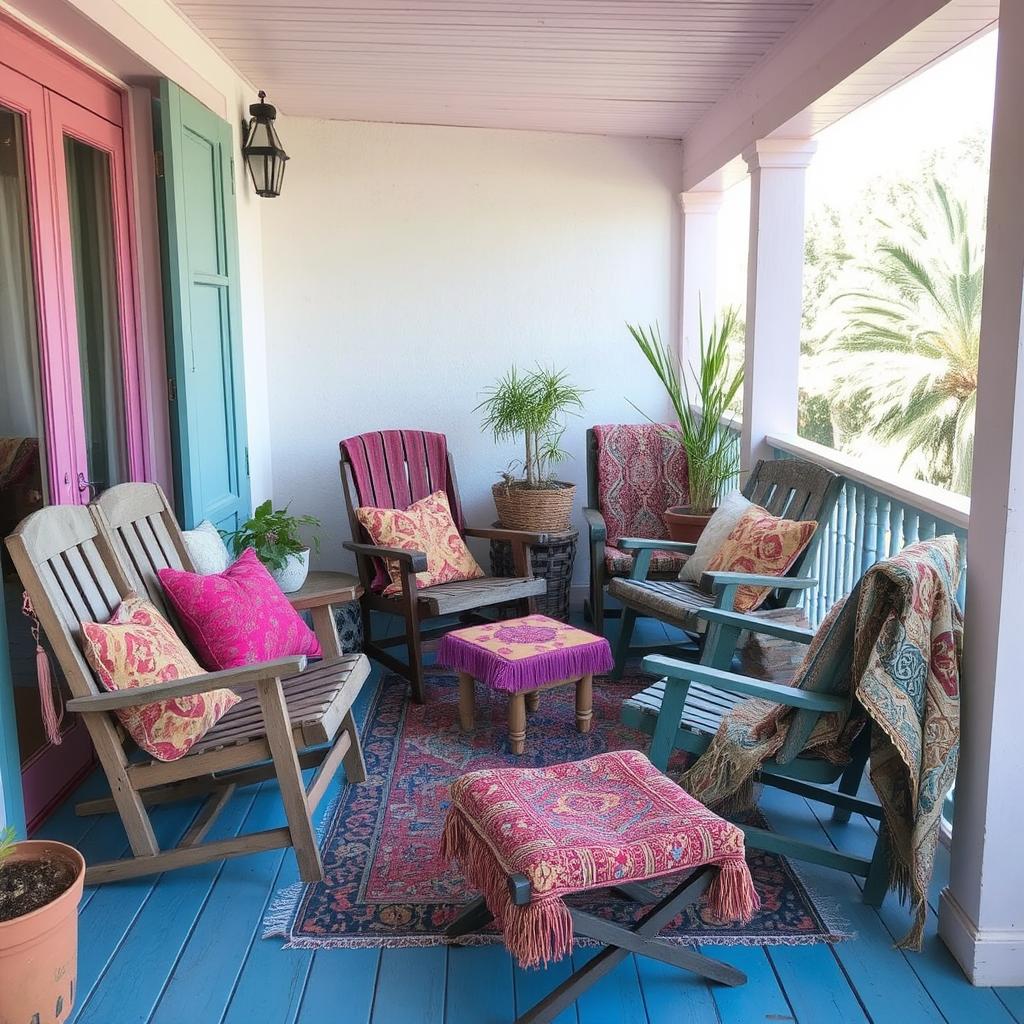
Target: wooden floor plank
204 977
885 982
154 939
64 825
761 999
815 985
110 909
340 978
533 985
934 965
480 987
616 998
1013 1000
411 980
672 996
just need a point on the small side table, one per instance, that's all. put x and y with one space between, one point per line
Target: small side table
318 595
521 657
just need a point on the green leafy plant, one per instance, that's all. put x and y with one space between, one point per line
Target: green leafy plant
273 534
918 322
532 405
7 838
712 456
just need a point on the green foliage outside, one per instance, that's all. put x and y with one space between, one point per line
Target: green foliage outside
892 316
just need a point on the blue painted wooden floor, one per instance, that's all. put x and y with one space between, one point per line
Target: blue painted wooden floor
186 947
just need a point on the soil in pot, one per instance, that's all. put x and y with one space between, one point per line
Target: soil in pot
27 885
684 525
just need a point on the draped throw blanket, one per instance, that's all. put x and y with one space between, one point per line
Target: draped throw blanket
907 636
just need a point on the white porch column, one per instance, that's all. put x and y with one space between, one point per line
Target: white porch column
698 267
775 264
981 913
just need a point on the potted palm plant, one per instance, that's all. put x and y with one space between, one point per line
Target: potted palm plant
712 455
533 406
40 889
274 535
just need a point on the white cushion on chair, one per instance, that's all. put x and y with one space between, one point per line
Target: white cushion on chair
207 549
720 525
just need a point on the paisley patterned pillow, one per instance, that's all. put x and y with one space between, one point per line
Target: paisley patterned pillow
763 544
239 616
426 526
138 647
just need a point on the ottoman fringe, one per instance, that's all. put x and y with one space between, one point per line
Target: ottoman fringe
535 934
732 896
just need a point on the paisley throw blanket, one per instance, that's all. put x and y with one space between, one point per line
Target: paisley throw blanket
905 677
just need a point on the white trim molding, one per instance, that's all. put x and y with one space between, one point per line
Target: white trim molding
987 956
779 152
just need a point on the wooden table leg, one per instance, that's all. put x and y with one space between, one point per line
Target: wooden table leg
533 700
517 723
584 703
466 701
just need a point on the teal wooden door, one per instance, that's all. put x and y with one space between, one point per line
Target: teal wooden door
195 188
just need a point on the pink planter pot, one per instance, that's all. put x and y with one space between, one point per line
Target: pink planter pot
39 951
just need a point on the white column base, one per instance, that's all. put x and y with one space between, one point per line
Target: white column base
987 957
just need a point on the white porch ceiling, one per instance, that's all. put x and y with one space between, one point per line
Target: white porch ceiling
621 67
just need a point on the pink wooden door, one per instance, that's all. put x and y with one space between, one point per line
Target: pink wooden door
71 415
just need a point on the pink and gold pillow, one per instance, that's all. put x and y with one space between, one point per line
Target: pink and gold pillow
239 616
426 526
136 648
763 544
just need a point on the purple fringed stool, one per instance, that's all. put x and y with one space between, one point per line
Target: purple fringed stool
521 657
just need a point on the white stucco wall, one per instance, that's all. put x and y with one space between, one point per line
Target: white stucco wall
407 267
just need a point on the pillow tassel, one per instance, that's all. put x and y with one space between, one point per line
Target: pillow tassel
51 703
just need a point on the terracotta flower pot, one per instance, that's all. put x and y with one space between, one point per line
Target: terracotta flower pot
682 524
39 950
534 508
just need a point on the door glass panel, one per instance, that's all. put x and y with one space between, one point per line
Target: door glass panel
22 473
96 307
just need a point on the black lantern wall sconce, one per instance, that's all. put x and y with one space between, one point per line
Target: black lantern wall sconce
264 155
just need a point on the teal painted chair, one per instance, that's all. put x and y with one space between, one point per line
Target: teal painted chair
788 488
684 709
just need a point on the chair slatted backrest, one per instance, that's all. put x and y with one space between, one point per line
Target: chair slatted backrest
393 469
828 672
71 576
141 529
799 490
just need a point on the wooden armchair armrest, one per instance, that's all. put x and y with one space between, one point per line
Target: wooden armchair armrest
684 547
595 524
512 536
719 579
659 664
236 679
414 561
755 624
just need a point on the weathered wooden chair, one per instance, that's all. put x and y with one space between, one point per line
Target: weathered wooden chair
790 488
684 709
634 472
393 469
77 564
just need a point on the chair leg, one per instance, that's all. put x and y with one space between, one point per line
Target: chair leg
472 919
849 782
622 644
355 766
289 778
876 885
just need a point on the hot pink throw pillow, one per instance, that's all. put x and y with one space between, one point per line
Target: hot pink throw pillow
237 617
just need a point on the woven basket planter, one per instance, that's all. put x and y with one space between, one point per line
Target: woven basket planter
545 509
553 562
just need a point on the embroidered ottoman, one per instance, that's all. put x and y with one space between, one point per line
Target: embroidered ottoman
528 837
521 657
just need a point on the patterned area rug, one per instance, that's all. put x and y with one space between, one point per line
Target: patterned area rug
383 885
